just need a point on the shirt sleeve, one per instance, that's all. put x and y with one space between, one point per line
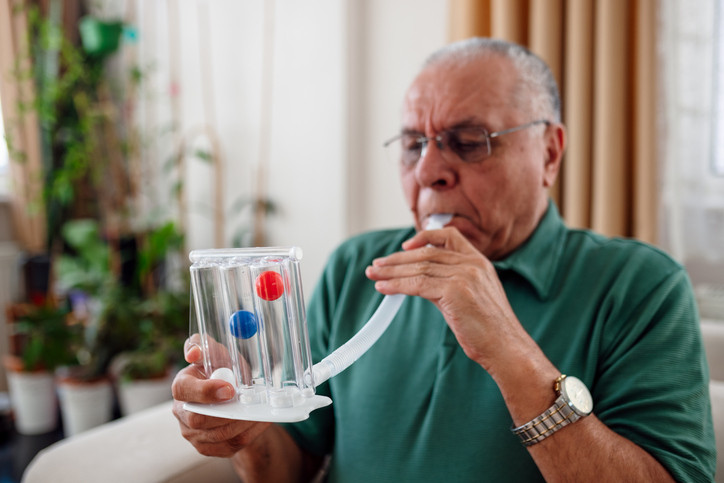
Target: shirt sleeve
652 386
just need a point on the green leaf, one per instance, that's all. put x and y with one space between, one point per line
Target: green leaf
203 155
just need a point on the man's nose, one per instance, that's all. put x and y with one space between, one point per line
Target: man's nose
437 141
433 168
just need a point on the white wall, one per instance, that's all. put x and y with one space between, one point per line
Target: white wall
309 130
337 71
393 41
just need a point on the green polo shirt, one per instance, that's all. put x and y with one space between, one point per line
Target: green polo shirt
618 314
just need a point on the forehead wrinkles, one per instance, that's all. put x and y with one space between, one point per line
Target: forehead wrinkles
433 111
446 94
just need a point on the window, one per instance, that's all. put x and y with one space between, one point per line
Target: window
692 147
718 125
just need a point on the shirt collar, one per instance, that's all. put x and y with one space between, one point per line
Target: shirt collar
537 258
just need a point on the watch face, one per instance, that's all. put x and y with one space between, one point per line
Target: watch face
577 395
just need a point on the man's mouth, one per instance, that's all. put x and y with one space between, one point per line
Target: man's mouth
435 221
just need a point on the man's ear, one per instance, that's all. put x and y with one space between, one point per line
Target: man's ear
555 141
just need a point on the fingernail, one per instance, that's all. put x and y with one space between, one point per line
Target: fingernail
224 393
192 353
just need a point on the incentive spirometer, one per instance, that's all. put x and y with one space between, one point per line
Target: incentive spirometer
249 319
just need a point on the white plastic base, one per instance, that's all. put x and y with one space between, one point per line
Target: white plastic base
261 412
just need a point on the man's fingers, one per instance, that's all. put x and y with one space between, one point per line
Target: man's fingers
192 352
191 386
449 238
216 353
216 436
194 423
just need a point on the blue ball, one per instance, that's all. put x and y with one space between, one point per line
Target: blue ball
243 324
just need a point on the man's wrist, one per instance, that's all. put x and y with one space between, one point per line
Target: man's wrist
524 380
573 403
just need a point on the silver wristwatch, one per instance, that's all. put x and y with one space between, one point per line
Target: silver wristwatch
573 402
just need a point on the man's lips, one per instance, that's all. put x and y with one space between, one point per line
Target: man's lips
436 221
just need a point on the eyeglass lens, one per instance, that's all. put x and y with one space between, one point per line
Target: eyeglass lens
470 145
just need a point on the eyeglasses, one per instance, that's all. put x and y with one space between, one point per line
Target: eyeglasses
469 144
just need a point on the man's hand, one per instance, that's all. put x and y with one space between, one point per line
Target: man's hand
260 451
444 268
460 281
210 436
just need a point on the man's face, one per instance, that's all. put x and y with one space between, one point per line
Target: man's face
498 202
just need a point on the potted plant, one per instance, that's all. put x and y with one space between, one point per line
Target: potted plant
84 272
143 375
99 38
87 136
41 340
135 324
144 371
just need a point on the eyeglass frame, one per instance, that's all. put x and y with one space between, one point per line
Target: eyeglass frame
425 140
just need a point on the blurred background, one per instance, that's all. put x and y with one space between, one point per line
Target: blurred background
137 131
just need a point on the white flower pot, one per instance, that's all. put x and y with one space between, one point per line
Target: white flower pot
84 405
136 395
34 402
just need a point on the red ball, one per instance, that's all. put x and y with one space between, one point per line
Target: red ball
269 285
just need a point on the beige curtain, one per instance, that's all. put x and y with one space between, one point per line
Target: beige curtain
604 56
28 217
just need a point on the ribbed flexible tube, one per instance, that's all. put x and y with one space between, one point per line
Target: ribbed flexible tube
351 350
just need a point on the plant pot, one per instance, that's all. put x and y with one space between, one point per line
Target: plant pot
99 38
34 402
139 394
36 274
84 405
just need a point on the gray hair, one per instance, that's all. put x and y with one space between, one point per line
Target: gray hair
535 75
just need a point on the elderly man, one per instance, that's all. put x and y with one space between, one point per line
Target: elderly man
467 384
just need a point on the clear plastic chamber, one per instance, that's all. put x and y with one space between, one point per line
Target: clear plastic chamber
250 322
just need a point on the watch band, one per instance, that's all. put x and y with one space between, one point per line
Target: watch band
572 403
552 419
